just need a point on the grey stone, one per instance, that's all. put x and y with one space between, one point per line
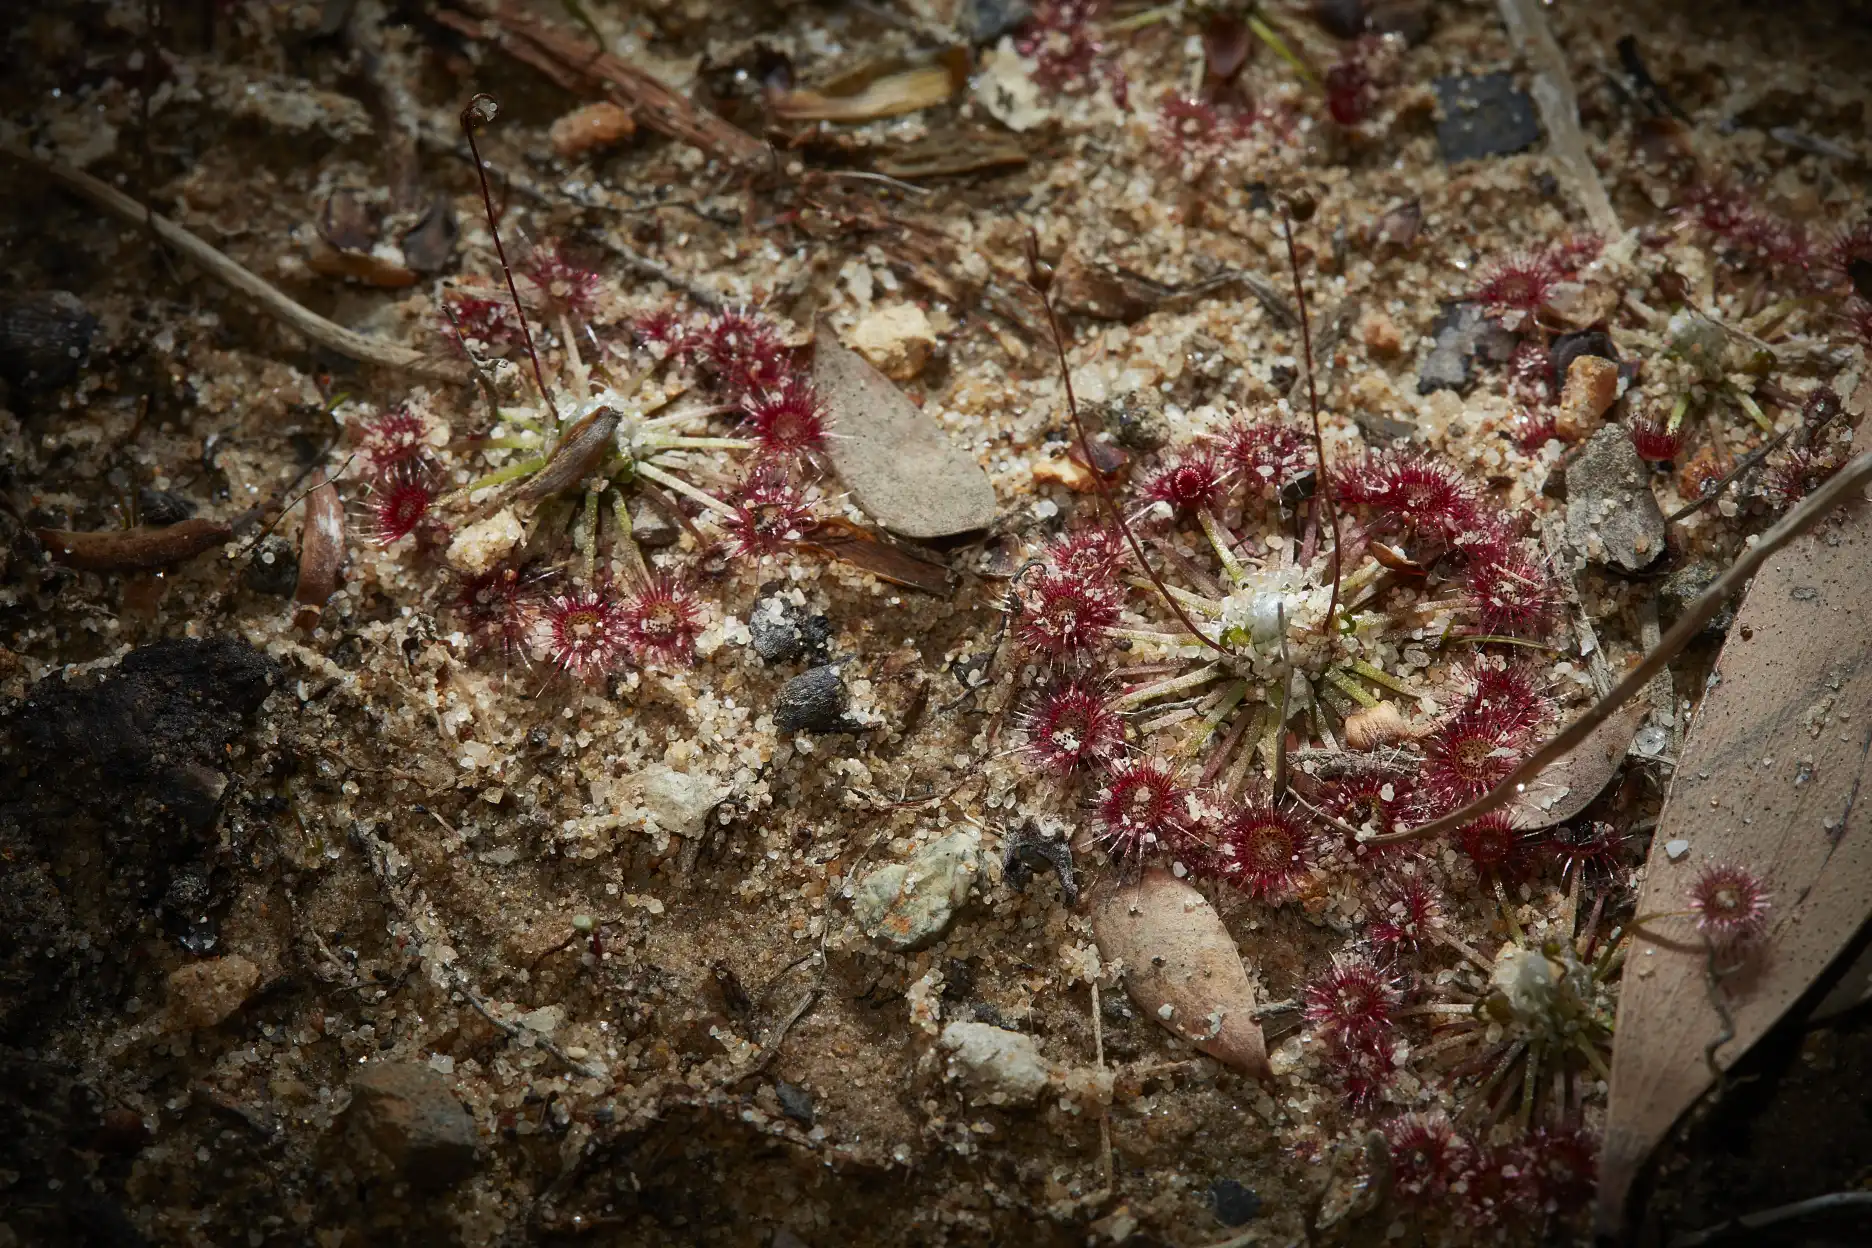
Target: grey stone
900 467
795 1102
1483 115
409 1112
996 1067
986 21
650 526
1612 518
781 630
273 568
907 905
1681 587
679 802
814 701
1462 332
1234 1204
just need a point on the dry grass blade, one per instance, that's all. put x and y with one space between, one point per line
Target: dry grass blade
337 338
570 60
1768 780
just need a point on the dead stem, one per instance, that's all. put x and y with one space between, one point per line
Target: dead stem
345 342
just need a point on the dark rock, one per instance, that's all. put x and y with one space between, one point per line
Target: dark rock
45 337
781 630
1025 852
1342 19
186 908
409 1112
159 508
1611 515
1234 1204
1569 347
273 568
1483 115
985 21
153 734
651 527
1134 421
814 701
795 1102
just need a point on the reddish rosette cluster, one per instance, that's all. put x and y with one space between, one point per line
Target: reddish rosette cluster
398 436
1266 456
1410 492
660 622
1404 911
1062 40
1471 752
1522 281
1594 848
497 608
1371 800
1065 615
745 354
1556 1170
583 632
1746 230
1511 691
1194 132
666 332
1260 848
1530 371
1362 1071
1142 809
397 503
1797 472
1095 553
485 318
1496 847
1655 440
1430 1159
1848 260
1730 903
1533 428
1512 592
787 422
1190 484
1071 726
1351 82
769 515
565 287
1353 1001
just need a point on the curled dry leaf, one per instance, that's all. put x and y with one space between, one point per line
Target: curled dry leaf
1568 785
1181 966
883 558
133 550
899 466
1769 779
890 96
321 550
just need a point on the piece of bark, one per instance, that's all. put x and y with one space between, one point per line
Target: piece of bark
884 559
570 60
899 465
1768 779
139 549
1181 966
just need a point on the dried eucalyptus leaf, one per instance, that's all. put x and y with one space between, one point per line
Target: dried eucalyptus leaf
1767 780
1568 786
1181 966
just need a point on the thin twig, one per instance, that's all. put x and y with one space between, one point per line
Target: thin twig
1768 1217
1324 485
1817 507
345 342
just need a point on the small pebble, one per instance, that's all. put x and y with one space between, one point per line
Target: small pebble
593 127
1483 115
1234 1204
1676 849
814 701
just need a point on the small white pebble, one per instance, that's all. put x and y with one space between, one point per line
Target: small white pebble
1676 849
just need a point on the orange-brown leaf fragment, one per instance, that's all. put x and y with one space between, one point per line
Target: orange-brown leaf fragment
1181 967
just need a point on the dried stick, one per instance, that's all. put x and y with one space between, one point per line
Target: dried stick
345 342
1559 109
1816 508
1324 485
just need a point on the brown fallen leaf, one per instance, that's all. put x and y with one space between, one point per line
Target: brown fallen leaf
1768 779
321 551
952 153
890 96
1181 966
884 559
357 266
1568 786
899 465
133 550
